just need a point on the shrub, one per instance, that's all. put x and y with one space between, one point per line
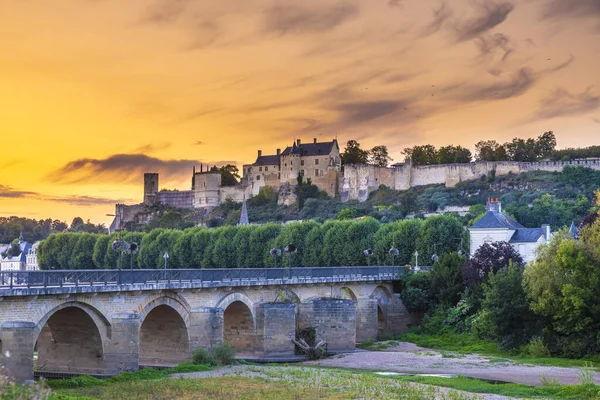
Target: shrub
224 354
536 348
204 357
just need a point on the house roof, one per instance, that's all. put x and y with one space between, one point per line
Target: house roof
310 149
24 246
267 160
527 235
496 220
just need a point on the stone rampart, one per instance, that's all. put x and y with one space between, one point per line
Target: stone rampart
360 180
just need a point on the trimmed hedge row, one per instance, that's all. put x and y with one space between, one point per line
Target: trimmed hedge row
334 243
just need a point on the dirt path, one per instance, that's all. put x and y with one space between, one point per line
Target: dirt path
409 358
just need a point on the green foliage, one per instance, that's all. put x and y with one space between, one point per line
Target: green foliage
536 348
523 150
204 357
32 230
224 354
416 292
564 285
353 154
171 220
506 317
379 156
446 279
442 233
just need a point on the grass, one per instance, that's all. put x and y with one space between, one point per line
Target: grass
143 374
465 343
571 392
266 383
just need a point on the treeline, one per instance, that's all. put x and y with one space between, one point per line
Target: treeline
550 307
32 229
334 243
574 154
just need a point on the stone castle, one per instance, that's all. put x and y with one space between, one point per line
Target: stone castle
318 161
321 163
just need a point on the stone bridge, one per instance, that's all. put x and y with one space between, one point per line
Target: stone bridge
105 322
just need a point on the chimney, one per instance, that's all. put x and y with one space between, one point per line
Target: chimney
201 168
194 170
546 229
494 204
260 153
298 142
278 151
314 140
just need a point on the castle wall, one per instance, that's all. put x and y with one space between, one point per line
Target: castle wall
235 193
360 180
206 190
181 199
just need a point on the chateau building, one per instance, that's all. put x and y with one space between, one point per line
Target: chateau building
318 161
496 226
26 260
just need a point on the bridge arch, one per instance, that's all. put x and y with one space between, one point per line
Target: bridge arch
239 323
164 331
347 294
71 338
384 298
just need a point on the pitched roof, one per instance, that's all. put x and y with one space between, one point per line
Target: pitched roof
496 220
527 235
310 149
267 160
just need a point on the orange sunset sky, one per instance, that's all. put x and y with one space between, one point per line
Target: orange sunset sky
93 93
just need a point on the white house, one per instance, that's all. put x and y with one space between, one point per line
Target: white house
16 263
496 226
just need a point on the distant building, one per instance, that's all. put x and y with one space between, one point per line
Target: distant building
20 262
496 226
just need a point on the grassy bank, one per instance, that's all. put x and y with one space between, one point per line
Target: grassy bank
468 344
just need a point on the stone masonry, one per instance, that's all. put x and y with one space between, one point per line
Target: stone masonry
105 330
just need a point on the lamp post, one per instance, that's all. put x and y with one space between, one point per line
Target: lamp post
166 257
416 260
435 257
368 253
394 252
290 249
275 252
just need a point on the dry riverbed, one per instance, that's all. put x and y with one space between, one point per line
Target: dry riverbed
408 358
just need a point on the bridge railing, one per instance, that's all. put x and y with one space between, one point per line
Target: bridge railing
76 278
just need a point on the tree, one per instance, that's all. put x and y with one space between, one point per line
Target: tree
379 156
505 316
76 224
446 279
353 154
490 257
564 286
421 155
230 175
172 220
453 155
546 145
490 150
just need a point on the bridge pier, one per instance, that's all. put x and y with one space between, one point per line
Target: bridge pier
123 350
334 321
206 327
17 349
366 320
276 323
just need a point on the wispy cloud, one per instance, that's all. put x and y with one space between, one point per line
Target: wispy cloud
165 11
517 85
151 148
561 103
571 8
441 16
489 15
489 44
8 192
123 168
294 18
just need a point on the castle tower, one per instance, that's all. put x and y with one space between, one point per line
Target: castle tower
150 187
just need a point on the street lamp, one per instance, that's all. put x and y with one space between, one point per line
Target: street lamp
394 252
166 257
290 249
275 253
416 260
368 253
435 257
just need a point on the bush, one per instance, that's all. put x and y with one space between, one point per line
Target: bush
224 354
536 348
204 357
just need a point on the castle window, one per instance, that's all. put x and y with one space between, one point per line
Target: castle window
285 165
316 161
302 162
278 176
266 169
316 172
260 168
258 177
